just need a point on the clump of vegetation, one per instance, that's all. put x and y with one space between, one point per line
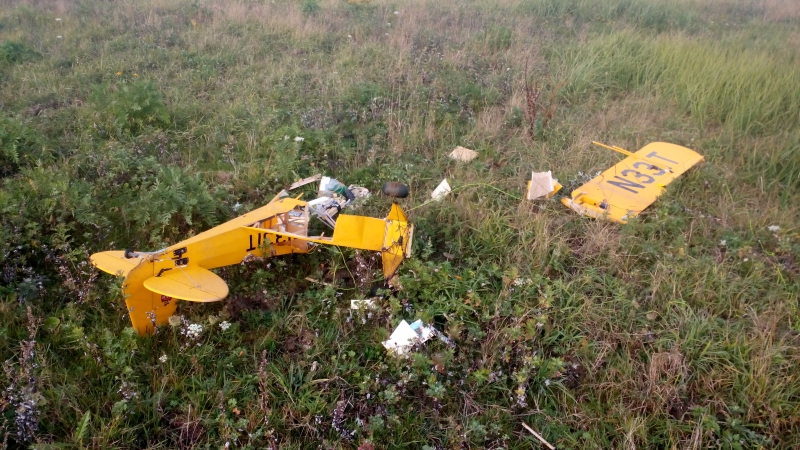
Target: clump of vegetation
144 124
12 52
129 106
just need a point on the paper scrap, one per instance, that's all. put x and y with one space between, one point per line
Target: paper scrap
463 154
441 191
406 336
542 184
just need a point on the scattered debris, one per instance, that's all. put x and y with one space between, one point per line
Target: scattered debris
329 187
314 280
368 303
406 336
359 192
542 184
463 154
441 190
634 183
305 181
538 436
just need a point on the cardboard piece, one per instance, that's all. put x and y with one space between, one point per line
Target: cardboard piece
463 154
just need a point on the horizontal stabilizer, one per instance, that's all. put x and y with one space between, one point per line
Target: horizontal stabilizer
194 284
114 262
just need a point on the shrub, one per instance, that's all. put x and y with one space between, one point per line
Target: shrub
12 52
130 106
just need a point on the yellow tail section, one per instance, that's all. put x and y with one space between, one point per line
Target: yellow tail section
147 309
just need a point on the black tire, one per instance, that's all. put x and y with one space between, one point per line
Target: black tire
395 189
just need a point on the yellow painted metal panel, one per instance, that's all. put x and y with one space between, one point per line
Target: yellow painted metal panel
114 262
633 184
194 284
277 207
359 232
397 240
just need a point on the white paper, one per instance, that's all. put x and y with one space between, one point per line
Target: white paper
441 191
402 338
542 184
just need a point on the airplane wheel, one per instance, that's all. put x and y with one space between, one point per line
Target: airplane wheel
395 189
129 253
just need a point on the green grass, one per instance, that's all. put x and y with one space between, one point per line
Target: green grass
148 121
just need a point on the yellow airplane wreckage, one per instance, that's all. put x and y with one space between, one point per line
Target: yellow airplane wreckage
633 184
155 281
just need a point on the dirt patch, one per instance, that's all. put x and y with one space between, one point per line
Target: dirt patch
237 305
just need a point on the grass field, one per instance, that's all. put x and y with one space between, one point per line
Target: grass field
136 123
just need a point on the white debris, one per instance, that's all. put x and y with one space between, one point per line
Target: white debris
542 184
441 191
406 336
368 303
463 154
305 181
359 191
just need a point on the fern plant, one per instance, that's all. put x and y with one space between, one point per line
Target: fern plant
129 106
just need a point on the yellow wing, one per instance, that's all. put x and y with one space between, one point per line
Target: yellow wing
633 184
194 284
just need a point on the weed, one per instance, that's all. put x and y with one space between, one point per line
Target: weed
129 106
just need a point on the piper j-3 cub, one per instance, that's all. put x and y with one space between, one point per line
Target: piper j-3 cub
155 281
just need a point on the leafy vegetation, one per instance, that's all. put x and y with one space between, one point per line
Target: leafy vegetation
137 124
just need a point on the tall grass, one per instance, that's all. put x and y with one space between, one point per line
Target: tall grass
747 92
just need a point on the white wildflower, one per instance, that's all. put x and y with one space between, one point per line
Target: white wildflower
58 37
163 359
299 139
773 228
193 331
237 206
547 382
224 325
723 242
396 13
58 19
746 259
